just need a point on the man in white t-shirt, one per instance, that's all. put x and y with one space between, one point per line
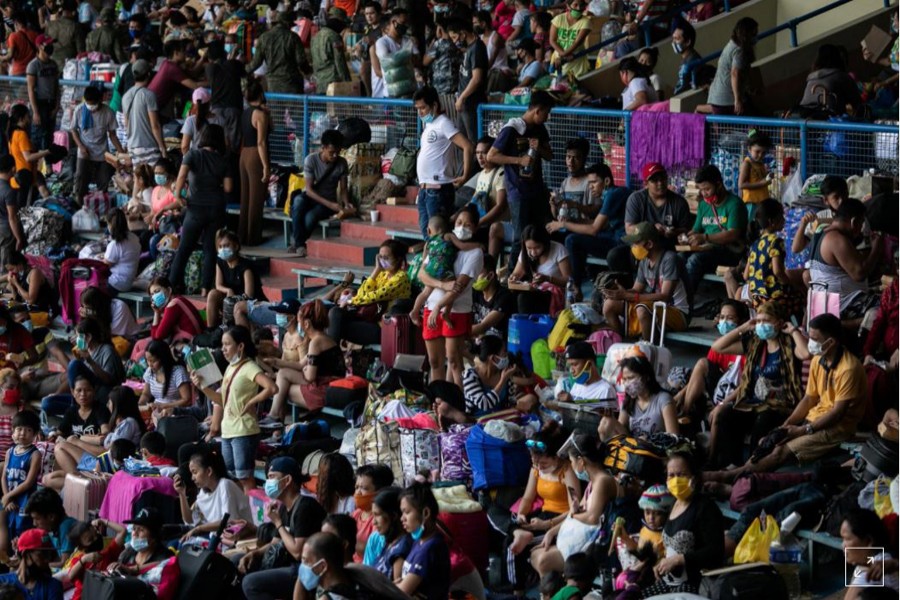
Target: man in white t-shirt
435 165
585 386
394 40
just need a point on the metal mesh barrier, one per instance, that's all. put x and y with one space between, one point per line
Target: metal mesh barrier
846 149
14 90
605 130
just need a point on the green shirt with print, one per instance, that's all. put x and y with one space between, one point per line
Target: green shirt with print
730 214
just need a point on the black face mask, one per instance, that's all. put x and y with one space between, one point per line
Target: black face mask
49 49
400 29
96 546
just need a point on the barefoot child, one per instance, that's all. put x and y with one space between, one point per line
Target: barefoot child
638 557
20 478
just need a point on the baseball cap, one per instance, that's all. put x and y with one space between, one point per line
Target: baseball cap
580 351
43 40
148 517
34 539
642 232
140 68
337 13
201 95
287 307
651 169
287 465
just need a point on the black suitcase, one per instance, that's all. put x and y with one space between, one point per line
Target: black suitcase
877 456
749 583
207 574
100 586
178 431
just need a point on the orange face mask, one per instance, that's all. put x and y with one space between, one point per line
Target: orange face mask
364 501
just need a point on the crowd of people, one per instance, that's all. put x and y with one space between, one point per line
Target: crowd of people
787 382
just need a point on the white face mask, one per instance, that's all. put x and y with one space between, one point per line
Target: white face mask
814 347
463 233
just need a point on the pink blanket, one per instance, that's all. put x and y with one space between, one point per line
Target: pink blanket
124 490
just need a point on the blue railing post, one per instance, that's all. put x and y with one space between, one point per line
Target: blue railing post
804 149
627 119
793 34
480 121
727 5
305 127
648 39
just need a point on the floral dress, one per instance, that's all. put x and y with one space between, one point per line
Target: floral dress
762 284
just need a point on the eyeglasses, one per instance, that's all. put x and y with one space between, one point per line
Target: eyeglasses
536 446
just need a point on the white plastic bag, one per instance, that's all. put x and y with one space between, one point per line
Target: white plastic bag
790 191
85 220
599 8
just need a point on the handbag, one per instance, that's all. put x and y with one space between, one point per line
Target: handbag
576 536
754 546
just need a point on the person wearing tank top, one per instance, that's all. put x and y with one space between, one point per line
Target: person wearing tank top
253 165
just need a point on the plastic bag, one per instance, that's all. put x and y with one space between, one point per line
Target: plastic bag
883 506
599 8
754 546
790 191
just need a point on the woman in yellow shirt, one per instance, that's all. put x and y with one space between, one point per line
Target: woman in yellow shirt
23 153
568 32
244 386
356 319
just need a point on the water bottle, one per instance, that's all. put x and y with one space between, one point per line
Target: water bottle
570 293
273 193
375 369
563 214
785 555
529 170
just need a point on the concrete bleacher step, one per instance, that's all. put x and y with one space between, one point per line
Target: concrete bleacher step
408 215
277 289
376 232
351 251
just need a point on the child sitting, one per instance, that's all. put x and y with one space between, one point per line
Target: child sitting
10 404
153 449
550 584
20 478
580 572
637 558
111 461
93 552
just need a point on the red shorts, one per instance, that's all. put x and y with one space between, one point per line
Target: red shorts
460 324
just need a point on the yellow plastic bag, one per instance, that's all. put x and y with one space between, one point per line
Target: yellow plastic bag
561 333
754 546
296 183
883 504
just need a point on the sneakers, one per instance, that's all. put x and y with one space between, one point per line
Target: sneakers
301 251
275 440
269 422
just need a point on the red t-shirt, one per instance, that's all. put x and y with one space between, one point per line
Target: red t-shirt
160 461
21 50
723 361
166 81
107 557
15 340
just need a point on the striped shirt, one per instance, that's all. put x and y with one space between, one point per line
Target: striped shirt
179 376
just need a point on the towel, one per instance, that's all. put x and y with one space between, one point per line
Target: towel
677 140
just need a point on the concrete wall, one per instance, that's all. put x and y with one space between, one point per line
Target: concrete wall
784 73
790 9
712 35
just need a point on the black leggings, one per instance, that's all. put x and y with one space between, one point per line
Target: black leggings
734 425
517 566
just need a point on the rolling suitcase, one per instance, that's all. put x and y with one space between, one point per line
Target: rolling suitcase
400 336
76 276
100 586
207 574
178 431
658 355
83 493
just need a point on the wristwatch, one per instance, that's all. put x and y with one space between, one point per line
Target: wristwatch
809 429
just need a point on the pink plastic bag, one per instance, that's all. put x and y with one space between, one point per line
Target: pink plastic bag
820 301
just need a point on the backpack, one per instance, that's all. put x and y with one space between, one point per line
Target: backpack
403 166
635 456
758 581
603 339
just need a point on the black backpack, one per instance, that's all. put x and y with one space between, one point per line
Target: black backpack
761 581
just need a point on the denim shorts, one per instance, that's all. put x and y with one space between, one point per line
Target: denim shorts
260 313
240 455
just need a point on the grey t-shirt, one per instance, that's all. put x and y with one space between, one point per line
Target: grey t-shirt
137 103
475 58
666 269
674 213
8 197
314 168
644 423
720 92
46 84
94 132
106 358
208 170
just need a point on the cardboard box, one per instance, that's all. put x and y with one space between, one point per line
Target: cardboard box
342 89
876 41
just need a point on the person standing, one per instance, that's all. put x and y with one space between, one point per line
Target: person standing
472 89
42 77
327 51
67 33
142 126
106 38
684 36
283 53
254 164
393 41
95 123
224 76
12 237
20 44
435 165
729 93
521 147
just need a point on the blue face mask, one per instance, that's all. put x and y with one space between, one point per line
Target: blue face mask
765 331
282 320
80 342
226 253
308 578
158 299
28 325
133 33
160 179
725 327
417 534
229 48
582 475
139 544
583 377
429 118
186 351
2 329
272 488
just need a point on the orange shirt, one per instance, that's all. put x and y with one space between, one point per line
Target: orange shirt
18 145
348 6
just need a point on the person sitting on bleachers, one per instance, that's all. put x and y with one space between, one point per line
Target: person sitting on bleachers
660 278
492 303
544 265
34 577
829 87
487 384
585 380
769 386
705 381
236 278
46 510
837 264
174 317
882 337
448 403
647 408
829 412
29 285
834 191
717 237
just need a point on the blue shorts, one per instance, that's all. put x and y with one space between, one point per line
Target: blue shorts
87 462
240 455
17 523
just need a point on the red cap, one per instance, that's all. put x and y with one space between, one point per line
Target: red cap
651 169
43 40
34 539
